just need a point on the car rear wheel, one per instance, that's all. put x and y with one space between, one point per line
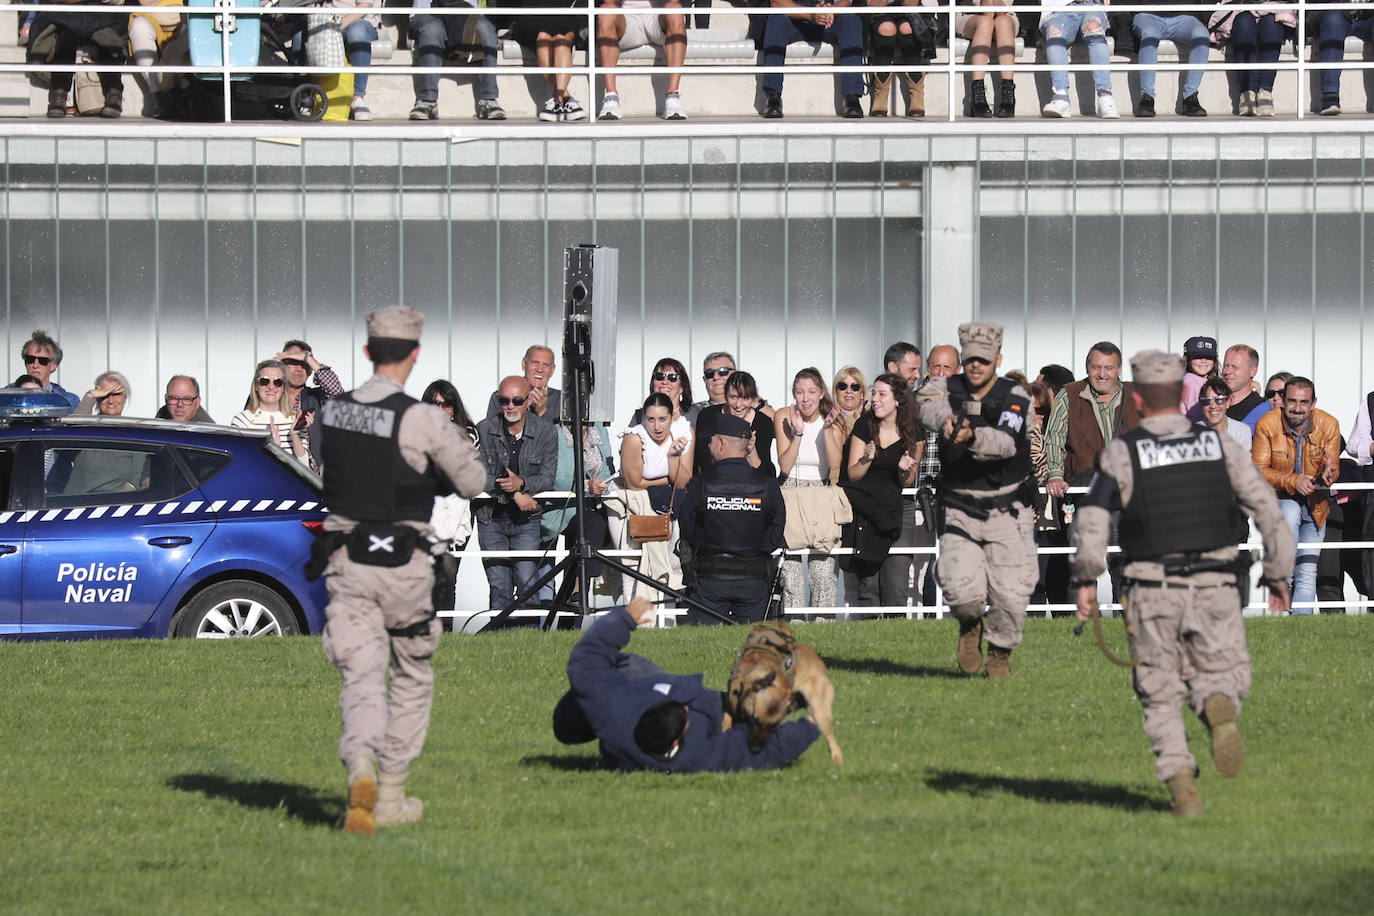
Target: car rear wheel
237 609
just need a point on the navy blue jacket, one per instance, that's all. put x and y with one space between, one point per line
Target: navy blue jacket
613 704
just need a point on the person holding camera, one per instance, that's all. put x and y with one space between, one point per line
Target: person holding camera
987 564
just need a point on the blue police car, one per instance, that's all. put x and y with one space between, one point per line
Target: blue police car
114 527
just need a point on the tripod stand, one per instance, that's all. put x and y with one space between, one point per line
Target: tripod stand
577 357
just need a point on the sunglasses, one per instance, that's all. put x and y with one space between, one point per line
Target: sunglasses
848 386
271 382
506 402
442 403
1273 393
41 360
665 376
1216 401
722 372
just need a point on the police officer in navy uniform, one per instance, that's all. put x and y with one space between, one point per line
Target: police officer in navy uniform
731 522
386 456
988 566
1180 490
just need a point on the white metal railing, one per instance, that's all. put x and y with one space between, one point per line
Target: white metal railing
914 611
225 12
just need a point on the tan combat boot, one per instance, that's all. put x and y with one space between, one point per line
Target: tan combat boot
1228 748
362 795
393 805
1187 799
916 105
999 662
882 91
970 652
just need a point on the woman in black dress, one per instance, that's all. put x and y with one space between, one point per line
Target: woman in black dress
883 454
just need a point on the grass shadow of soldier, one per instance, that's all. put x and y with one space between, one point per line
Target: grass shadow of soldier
568 763
884 666
1056 791
307 805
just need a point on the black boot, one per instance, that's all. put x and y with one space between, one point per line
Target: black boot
978 101
57 103
1006 104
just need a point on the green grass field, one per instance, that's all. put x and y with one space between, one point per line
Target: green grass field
187 777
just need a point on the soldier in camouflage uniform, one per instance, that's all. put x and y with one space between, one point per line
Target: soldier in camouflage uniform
1179 488
386 455
987 565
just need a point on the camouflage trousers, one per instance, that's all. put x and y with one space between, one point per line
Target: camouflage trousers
1191 643
388 725
990 563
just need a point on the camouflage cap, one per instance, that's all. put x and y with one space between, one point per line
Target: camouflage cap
398 322
1155 367
979 340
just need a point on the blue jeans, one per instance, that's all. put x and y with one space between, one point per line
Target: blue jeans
1255 41
846 33
1299 519
506 576
1181 30
1062 29
430 37
1333 27
358 37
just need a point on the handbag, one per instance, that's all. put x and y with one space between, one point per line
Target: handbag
324 44
656 527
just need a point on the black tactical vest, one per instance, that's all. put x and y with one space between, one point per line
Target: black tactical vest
959 470
1181 498
365 477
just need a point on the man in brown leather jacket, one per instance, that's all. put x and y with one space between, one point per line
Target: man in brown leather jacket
1297 449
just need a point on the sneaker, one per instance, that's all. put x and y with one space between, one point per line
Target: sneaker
359 111
1331 105
1187 799
1058 106
610 107
424 111
573 110
1192 108
1145 108
772 108
552 110
1106 106
1264 103
1245 105
672 108
852 107
969 654
1228 748
490 110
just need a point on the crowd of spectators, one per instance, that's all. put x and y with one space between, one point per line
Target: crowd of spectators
856 467
905 33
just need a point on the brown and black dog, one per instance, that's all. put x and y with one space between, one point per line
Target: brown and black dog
773 676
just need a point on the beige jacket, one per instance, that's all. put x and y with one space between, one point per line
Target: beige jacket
814 516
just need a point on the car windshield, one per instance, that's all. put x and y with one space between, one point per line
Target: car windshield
288 461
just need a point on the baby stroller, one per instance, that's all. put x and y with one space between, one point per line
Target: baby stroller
253 40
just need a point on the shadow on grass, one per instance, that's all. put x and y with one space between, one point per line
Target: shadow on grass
1055 791
304 804
569 763
884 666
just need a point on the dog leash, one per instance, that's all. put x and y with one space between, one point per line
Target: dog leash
1095 612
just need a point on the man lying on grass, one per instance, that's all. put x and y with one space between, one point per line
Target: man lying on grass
648 719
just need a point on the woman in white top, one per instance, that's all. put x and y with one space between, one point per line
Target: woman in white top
810 439
269 409
655 461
